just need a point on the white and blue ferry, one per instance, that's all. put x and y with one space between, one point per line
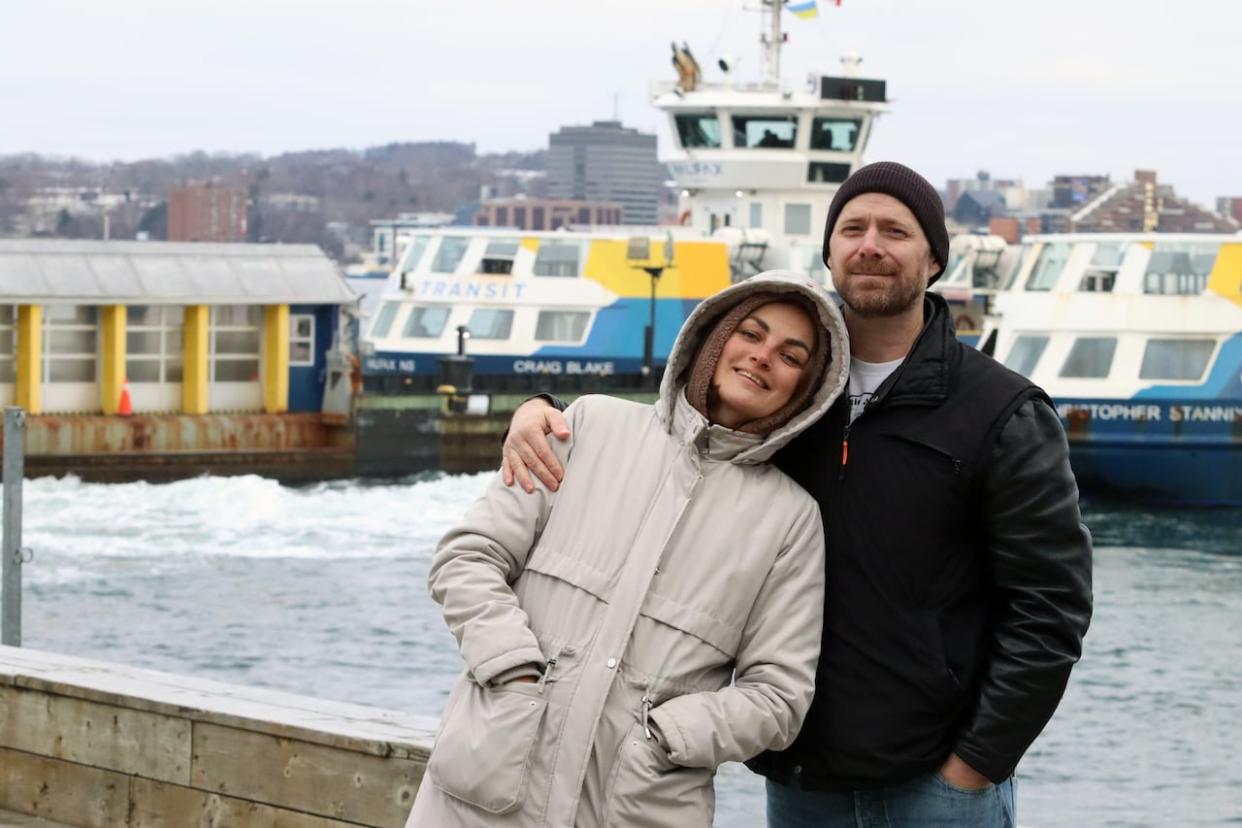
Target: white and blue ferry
1138 339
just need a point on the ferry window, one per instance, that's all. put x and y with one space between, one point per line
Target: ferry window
1025 353
490 323
561 326
1179 268
698 130
234 339
756 214
448 257
301 340
383 320
836 134
425 323
1102 272
69 337
414 253
153 343
1176 359
797 219
819 172
764 131
1015 260
1108 255
8 343
498 257
955 270
1048 267
557 258
1091 357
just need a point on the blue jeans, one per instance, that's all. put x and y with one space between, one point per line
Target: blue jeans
925 802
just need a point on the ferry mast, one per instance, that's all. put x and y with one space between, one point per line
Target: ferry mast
773 40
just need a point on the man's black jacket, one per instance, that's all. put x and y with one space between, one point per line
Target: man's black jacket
958 574
958 571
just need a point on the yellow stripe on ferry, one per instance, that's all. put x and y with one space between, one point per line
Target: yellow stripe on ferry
1226 277
699 269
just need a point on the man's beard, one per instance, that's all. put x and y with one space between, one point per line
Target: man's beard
896 298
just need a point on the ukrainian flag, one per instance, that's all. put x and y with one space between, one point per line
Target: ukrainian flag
803 8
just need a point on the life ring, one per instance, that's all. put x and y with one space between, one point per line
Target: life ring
964 322
684 218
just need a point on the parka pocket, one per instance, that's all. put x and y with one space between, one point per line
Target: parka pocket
647 789
483 753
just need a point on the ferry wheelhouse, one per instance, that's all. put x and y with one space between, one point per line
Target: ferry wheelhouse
1138 339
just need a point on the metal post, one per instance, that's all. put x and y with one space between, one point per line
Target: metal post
11 555
650 333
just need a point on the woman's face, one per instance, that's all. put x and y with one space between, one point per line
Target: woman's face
761 364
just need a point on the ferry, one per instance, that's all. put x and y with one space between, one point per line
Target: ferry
1138 340
551 309
756 165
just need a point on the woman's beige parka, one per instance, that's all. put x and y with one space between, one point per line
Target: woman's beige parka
670 592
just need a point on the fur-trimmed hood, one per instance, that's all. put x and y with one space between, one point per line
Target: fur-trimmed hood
672 405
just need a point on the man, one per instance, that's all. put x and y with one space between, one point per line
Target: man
958 574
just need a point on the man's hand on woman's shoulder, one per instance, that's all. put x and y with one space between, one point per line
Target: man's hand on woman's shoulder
527 449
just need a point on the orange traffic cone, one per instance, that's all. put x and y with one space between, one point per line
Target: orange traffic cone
126 406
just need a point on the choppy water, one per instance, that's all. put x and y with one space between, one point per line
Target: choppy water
321 591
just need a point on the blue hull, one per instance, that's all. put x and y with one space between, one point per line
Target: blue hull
1182 451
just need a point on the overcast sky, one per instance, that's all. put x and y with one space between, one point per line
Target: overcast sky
1025 90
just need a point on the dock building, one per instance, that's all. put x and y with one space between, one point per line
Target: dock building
211 347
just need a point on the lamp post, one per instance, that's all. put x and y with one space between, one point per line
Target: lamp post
639 250
654 272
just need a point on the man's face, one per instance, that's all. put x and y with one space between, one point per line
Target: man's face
880 258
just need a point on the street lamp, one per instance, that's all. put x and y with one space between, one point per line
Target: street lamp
639 250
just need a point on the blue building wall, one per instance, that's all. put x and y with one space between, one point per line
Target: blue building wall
306 382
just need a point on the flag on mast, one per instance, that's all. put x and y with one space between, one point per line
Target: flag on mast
806 9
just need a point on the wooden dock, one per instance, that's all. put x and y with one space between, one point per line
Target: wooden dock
89 743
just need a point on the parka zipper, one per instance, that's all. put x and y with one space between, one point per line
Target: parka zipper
647 716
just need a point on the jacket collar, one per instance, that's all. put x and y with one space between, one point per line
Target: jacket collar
924 377
711 442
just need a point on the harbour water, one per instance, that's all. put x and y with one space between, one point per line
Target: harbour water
321 590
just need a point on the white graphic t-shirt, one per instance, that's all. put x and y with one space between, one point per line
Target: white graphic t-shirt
865 378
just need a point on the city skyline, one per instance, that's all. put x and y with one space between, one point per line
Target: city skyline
1104 88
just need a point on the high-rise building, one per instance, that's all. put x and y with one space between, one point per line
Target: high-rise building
606 162
207 212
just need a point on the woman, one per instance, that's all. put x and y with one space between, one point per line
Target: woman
601 624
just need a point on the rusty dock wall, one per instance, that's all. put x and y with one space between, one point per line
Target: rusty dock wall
157 447
88 743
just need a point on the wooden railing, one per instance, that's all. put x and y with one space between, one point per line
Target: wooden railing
89 743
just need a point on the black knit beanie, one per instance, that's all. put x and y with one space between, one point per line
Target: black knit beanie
908 187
